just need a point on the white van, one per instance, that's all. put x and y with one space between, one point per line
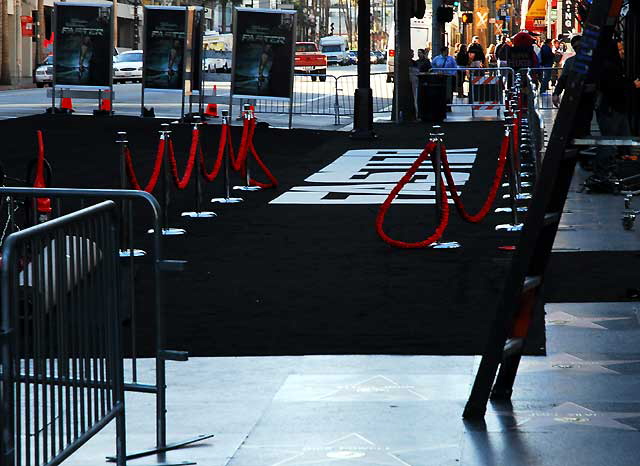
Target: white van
335 49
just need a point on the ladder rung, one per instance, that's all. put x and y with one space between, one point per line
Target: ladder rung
531 282
551 218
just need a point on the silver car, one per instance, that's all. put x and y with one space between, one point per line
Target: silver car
127 66
43 73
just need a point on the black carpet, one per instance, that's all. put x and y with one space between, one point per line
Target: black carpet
593 276
301 279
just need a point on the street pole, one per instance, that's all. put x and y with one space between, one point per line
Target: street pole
437 28
363 98
404 108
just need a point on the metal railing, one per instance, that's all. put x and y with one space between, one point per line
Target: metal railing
476 88
62 365
544 80
79 198
323 94
534 118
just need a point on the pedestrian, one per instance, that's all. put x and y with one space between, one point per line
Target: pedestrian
423 63
446 65
501 52
478 53
462 60
546 61
558 51
492 58
615 91
584 114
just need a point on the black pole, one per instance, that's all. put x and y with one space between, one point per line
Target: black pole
363 98
404 106
632 59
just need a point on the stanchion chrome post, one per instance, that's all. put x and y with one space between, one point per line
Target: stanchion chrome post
126 210
227 182
514 225
248 115
165 134
198 213
436 135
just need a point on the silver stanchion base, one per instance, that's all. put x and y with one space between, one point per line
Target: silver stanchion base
447 245
227 200
170 231
524 184
199 214
247 188
136 253
504 210
519 197
509 227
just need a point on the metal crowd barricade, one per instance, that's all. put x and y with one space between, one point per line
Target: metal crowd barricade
319 94
382 91
62 364
483 88
535 120
544 80
16 196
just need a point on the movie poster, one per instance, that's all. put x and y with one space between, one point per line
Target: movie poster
164 47
263 53
83 51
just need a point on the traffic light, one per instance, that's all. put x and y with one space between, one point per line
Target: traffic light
452 3
467 18
444 14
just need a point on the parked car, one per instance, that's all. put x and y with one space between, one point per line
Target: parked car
127 66
309 60
382 58
353 57
43 73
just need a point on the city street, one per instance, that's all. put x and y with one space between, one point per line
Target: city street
314 101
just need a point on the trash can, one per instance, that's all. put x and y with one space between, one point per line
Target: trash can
432 97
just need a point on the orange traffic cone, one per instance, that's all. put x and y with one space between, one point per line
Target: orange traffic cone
66 104
212 110
105 105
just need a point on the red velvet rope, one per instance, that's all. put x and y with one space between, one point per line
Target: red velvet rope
482 213
210 176
444 219
182 183
43 204
133 180
247 135
273 181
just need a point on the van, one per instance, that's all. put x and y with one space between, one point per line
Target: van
335 49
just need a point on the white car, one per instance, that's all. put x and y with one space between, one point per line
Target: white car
43 73
127 66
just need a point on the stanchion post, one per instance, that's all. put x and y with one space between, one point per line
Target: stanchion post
126 249
165 134
514 225
198 212
248 115
227 164
436 135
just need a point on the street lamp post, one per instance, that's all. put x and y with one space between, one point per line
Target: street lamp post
363 98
